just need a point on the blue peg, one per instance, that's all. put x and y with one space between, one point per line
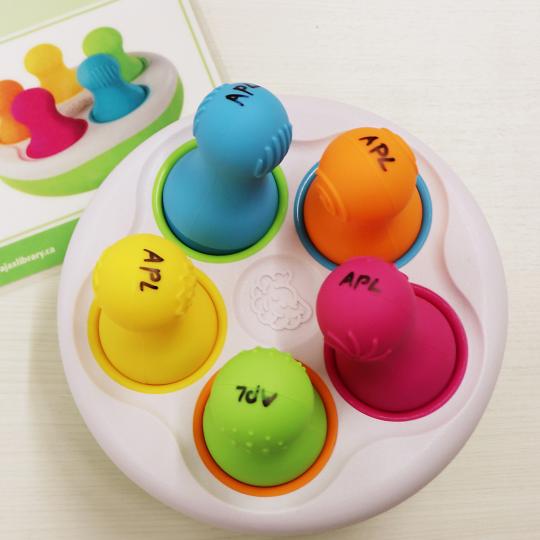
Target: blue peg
114 98
221 197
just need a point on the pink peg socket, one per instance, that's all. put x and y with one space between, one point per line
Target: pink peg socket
393 350
50 131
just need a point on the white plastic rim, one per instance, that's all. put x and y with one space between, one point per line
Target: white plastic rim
375 464
160 76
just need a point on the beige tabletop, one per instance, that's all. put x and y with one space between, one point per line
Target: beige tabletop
462 76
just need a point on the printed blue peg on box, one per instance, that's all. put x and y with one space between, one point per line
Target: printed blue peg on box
114 97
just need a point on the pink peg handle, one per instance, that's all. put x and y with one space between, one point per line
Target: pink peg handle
365 309
50 131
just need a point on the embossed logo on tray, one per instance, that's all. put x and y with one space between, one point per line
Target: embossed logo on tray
276 302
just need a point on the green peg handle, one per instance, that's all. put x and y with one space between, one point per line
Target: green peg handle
109 41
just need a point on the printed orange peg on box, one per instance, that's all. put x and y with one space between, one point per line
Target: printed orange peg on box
11 131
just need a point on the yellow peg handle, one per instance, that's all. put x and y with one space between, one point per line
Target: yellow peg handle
143 282
157 324
46 62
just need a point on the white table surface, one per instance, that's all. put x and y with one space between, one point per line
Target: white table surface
462 76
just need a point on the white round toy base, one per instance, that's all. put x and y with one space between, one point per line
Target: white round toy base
375 464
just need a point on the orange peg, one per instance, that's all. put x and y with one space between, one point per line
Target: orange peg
363 200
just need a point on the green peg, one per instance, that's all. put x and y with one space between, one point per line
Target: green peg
264 424
109 41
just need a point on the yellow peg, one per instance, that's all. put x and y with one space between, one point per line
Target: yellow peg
157 324
46 62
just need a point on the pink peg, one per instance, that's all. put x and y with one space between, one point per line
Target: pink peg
51 132
392 348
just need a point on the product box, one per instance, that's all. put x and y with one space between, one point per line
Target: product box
82 84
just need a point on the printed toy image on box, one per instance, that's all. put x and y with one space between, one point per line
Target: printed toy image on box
79 91
66 135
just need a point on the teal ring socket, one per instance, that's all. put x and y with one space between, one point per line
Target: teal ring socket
427 214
